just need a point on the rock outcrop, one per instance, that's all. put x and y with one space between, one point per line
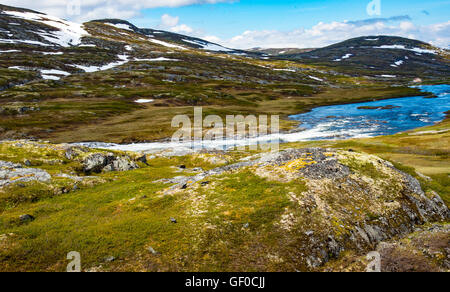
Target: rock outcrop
99 162
16 173
353 201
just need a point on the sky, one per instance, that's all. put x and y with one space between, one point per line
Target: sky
267 23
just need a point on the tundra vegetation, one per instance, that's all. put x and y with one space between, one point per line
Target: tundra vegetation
313 206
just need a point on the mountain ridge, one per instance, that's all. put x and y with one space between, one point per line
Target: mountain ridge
85 75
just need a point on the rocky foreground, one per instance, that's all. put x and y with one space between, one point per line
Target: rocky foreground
296 210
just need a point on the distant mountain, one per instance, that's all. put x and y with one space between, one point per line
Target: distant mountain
81 75
43 46
283 51
380 55
183 40
35 45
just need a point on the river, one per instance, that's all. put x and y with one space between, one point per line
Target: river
337 122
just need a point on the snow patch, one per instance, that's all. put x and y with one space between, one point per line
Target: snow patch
160 59
402 47
52 53
18 68
347 56
90 69
67 33
53 74
143 100
165 44
121 26
287 70
10 51
28 42
208 46
315 78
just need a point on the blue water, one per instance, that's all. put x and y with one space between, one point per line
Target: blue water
347 121
336 122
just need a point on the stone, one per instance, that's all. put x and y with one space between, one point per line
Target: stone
26 218
152 250
143 159
14 173
96 162
71 153
109 259
121 164
99 162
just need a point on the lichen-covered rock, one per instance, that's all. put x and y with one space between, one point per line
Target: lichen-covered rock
99 162
121 164
16 173
352 200
427 249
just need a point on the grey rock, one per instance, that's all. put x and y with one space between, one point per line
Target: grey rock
15 173
143 159
99 162
120 164
71 152
26 218
152 250
109 259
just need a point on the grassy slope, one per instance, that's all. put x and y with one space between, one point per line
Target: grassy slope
154 122
127 215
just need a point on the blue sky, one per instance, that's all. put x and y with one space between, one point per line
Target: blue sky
226 20
269 23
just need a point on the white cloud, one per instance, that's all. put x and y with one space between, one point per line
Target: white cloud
169 21
94 9
182 28
324 34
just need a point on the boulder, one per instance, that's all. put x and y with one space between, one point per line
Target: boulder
99 162
26 218
16 173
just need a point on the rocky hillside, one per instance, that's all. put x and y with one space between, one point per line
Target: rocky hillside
295 210
107 80
380 55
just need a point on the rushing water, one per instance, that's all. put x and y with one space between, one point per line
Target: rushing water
392 116
359 120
